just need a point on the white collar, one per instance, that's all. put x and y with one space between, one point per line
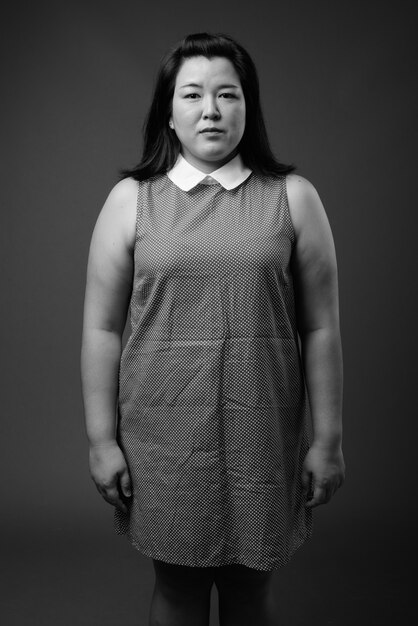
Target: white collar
230 175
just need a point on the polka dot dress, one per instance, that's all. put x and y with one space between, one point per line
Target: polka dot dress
213 407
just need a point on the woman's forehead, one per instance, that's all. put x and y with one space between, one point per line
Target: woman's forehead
199 69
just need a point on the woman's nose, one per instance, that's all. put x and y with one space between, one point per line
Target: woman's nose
210 109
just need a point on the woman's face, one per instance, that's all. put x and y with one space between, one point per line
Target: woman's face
208 94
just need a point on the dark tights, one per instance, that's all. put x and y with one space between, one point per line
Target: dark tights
181 596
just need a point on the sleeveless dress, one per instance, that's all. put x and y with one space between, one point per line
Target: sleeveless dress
213 408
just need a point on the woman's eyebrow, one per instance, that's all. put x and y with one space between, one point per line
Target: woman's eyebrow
229 86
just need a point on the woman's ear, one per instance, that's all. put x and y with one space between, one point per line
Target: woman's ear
171 123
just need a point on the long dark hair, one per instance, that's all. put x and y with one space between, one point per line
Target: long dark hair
161 145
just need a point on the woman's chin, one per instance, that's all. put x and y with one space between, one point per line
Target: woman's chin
215 156
214 153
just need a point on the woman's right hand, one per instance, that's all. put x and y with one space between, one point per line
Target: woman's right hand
110 474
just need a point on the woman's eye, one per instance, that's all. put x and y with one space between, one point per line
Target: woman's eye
193 96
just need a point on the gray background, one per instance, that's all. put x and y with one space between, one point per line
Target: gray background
338 91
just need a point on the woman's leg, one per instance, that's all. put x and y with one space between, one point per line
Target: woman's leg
181 595
245 597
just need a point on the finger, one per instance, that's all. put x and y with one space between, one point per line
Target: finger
112 497
320 496
333 488
305 480
125 484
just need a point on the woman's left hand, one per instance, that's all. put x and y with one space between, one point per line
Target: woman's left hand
324 472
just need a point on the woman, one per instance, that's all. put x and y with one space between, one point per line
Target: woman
226 261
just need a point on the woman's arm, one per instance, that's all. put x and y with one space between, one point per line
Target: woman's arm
108 289
314 269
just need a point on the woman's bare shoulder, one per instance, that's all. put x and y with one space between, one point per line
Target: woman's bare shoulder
305 205
123 194
299 189
118 214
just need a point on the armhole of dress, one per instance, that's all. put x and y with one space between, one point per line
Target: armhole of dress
289 221
139 214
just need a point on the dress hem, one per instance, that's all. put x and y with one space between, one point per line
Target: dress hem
275 565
